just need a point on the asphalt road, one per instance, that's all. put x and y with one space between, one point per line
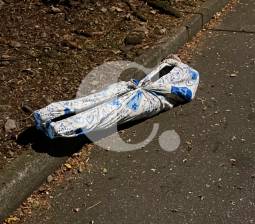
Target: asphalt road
210 178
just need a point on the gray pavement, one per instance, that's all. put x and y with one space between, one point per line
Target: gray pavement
210 178
244 18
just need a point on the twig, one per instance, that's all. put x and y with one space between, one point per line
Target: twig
94 205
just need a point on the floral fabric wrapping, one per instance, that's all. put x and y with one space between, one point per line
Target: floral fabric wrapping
169 84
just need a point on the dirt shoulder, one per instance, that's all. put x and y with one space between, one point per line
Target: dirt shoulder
46 50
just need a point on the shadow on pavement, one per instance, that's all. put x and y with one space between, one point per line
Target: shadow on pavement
62 147
58 147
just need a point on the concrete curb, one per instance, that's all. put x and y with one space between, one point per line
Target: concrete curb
20 178
184 33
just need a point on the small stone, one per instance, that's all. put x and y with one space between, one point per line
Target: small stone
233 138
10 125
134 38
76 209
233 75
105 170
49 178
233 162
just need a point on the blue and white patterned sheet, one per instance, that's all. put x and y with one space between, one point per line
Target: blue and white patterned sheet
120 102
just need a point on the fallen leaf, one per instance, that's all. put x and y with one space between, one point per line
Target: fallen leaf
68 166
12 219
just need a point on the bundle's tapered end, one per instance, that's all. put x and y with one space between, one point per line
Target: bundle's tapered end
38 120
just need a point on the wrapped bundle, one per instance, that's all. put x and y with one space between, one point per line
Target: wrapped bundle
169 84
